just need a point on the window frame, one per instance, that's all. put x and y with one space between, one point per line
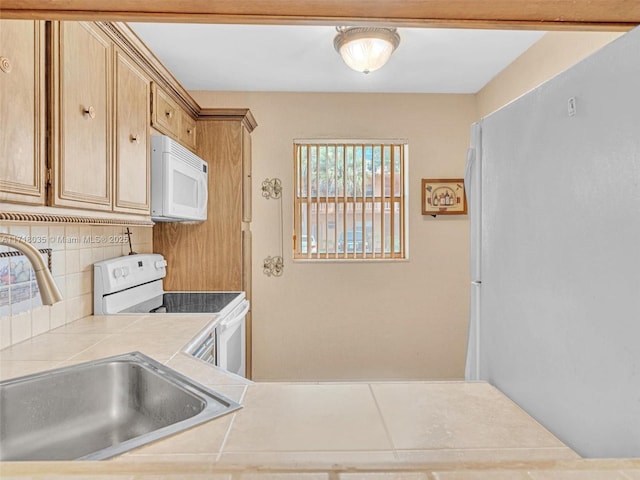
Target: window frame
383 200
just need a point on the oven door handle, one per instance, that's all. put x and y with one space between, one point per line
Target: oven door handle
235 319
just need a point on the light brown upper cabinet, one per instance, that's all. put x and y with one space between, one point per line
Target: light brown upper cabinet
132 87
165 112
22 111
99 121
75 113
187 135
169 118
81 95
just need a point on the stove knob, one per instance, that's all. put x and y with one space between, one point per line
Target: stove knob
160 264
125 271
117 272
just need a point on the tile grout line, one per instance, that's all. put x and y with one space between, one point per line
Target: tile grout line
109 335
244 392
480 449
51 360
228 432
384 423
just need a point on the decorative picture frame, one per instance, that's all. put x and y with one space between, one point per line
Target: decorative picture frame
443 196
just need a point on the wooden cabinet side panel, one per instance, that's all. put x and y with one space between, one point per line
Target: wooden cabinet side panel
22 111
181 244
246 176
132 164
208 255
82 117
247 242
246 286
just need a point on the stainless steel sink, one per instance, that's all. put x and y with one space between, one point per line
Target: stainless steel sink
98 409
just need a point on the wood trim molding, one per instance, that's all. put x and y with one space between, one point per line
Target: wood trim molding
126 39
538 14
56 218
236 114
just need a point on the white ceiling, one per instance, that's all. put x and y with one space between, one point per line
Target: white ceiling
302 58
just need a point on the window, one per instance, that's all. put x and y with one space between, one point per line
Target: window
349 200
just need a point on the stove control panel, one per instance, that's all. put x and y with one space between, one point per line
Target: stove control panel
120 273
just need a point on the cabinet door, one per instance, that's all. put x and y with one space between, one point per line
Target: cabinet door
165 114
187 131
131 137
82 116
22 111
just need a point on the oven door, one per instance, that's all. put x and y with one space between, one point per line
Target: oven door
230 339
206 351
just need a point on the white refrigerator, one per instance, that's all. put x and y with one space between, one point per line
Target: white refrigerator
473 185
553 180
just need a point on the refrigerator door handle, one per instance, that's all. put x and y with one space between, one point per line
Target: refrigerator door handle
476 282
471 156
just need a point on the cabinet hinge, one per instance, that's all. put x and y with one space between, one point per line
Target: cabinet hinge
48 179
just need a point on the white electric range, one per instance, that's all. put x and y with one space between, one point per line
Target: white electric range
133 284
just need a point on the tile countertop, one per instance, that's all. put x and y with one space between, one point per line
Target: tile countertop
328 431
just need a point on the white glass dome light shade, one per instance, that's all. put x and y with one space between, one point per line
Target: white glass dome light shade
366 49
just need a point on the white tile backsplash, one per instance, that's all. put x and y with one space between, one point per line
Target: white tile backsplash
72 261
21 327
85 259
58 262
5 301
73 254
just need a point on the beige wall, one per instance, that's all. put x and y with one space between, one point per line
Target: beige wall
333 321
552 54
74 249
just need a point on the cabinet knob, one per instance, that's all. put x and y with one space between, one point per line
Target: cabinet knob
134 138
169 113
5 64
189 131
90 112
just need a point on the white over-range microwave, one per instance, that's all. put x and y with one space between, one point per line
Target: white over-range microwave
179 181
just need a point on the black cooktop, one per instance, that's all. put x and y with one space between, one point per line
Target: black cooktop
185 302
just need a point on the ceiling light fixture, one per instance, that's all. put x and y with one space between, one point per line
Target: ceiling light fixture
366 49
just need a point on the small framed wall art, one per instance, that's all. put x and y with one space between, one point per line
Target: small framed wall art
443 196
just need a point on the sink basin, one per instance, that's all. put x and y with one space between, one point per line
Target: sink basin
98 409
